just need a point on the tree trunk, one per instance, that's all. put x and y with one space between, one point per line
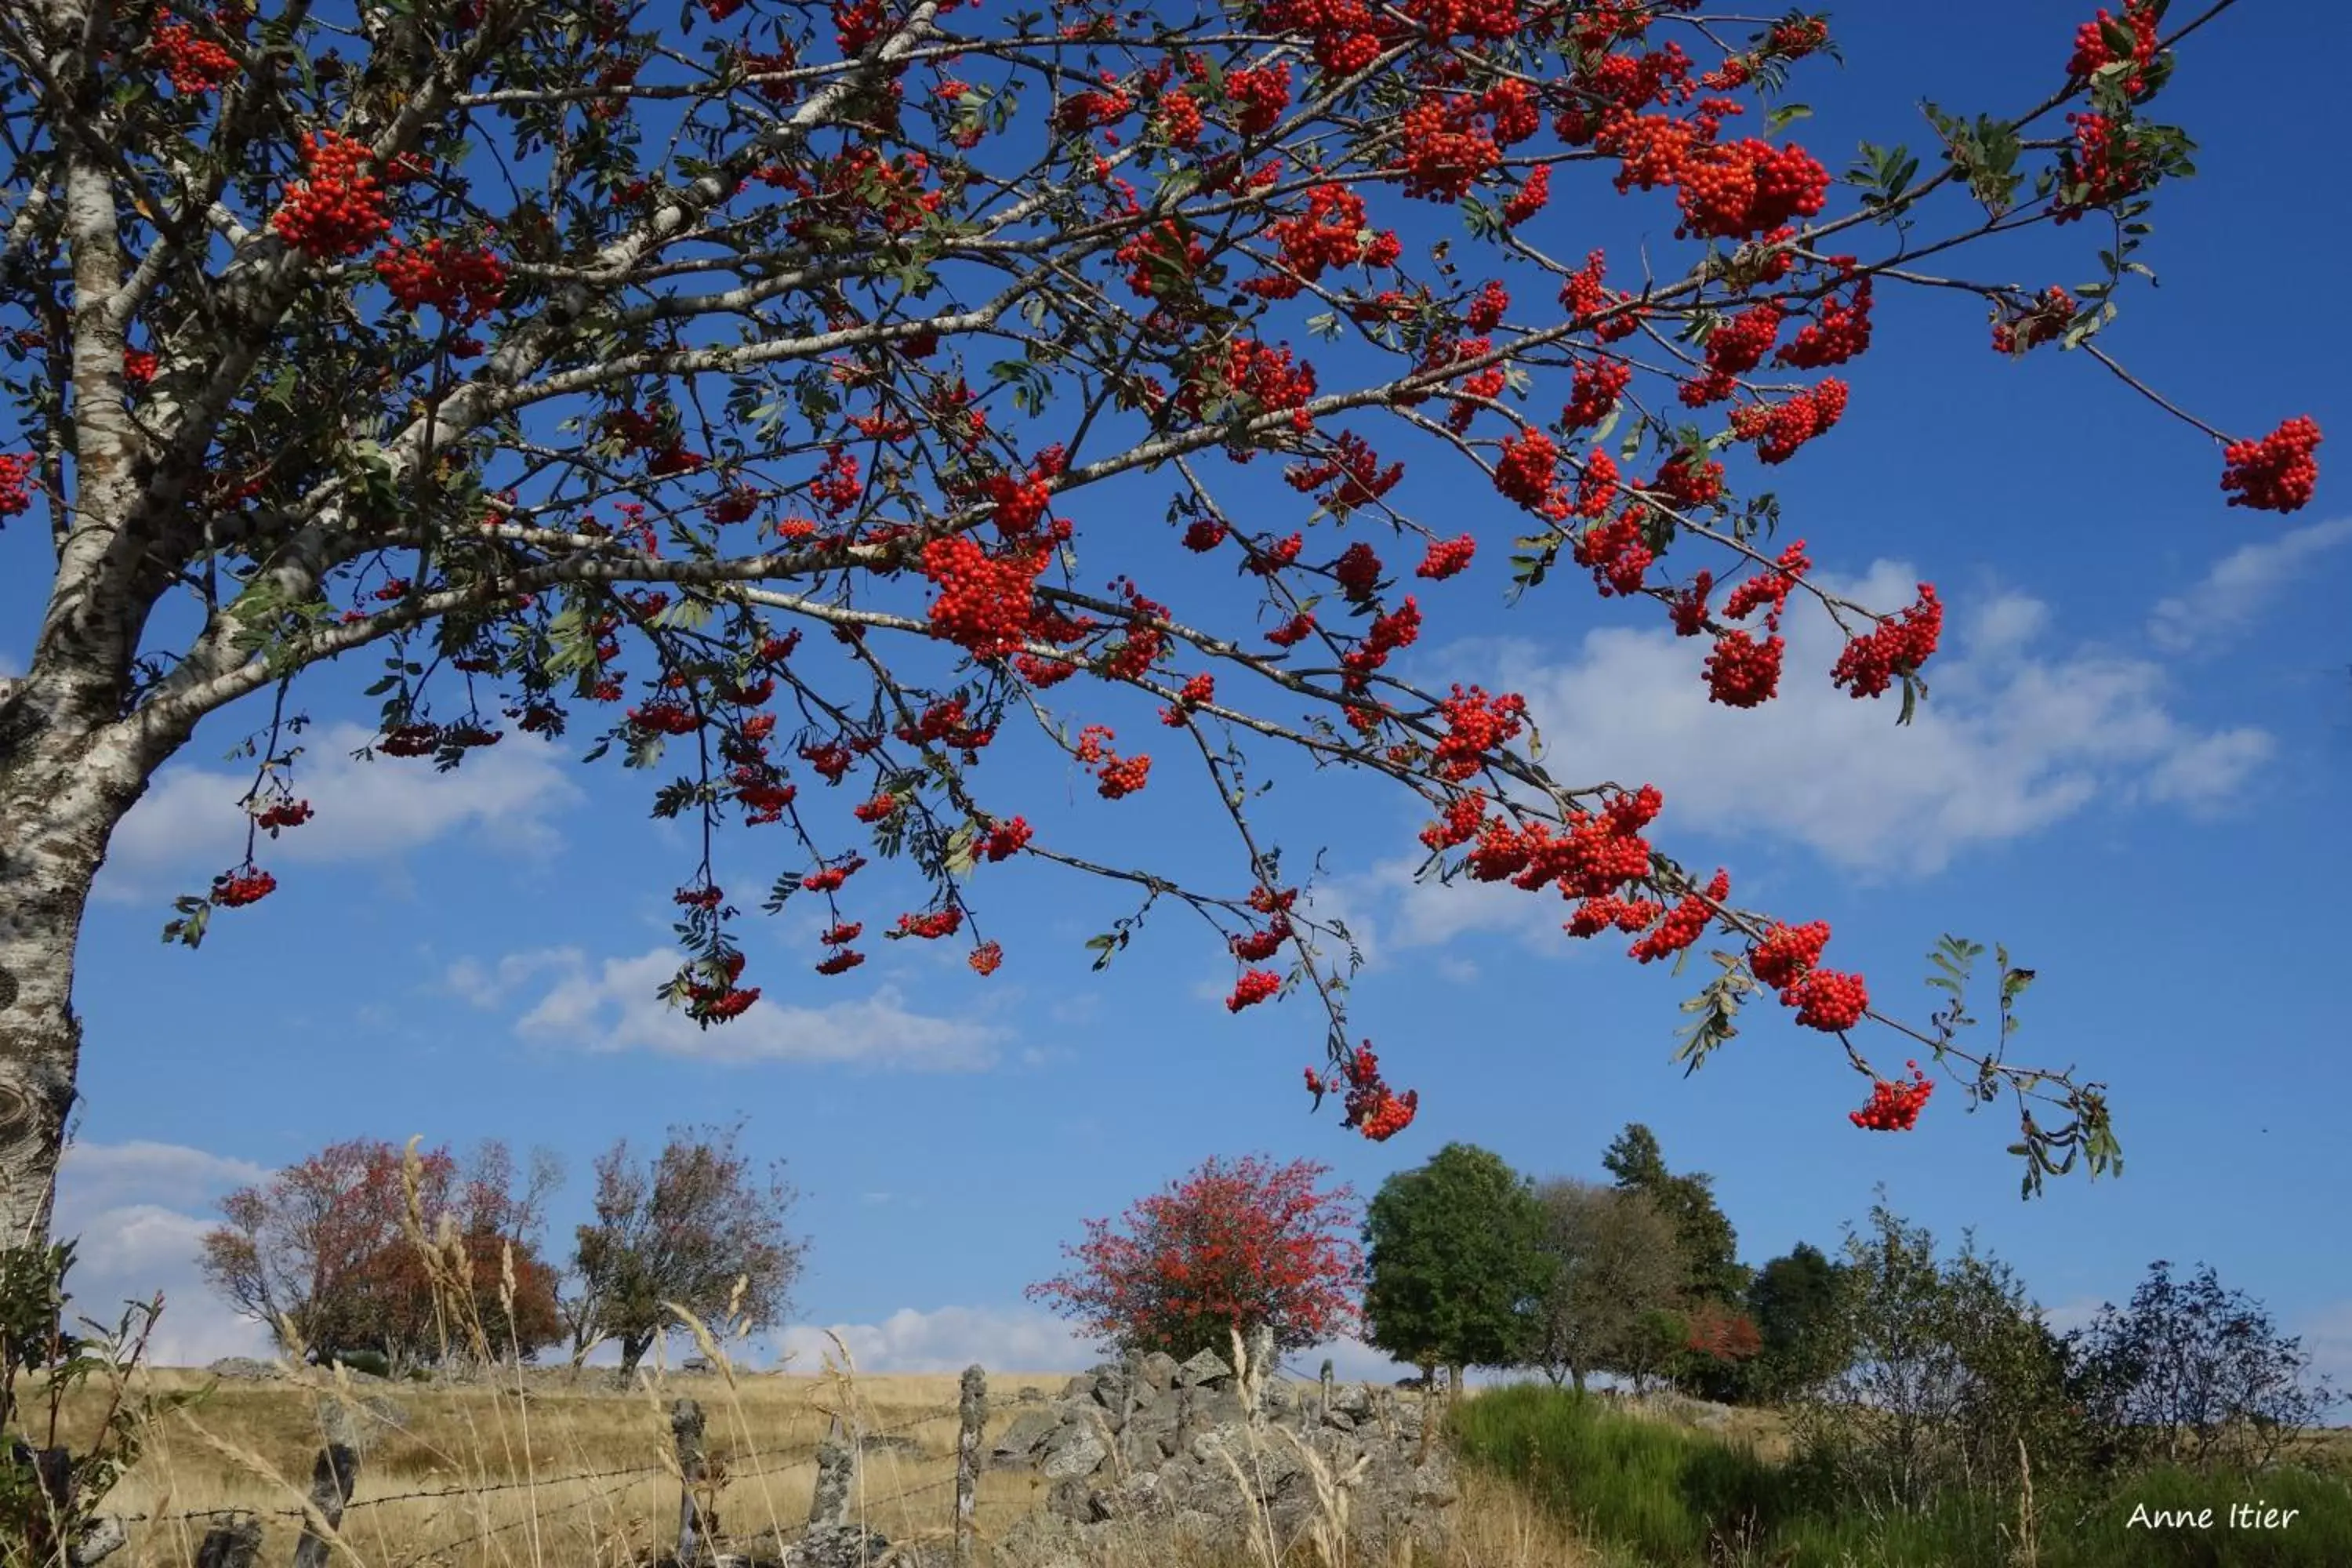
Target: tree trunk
1578 1372
66 783
632 1350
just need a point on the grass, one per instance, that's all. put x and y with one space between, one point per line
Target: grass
1648 1490
522 1473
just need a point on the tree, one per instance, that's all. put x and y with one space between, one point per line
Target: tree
701 1230
329 1253
1794 1301
1456 1266
656 347
2194 1374
1229 1248
1951 1369
1709 1246
1613 1259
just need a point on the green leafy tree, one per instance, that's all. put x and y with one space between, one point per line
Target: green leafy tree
1457 1264
1952 1373
1709 1247
1613 1259
702 1228
1794 1302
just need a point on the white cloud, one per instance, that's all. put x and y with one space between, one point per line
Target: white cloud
2234 595
612 1006
2015 737
945 1338
188 822
1014 1340
129 1204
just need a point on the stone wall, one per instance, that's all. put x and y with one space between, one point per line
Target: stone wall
1201 1452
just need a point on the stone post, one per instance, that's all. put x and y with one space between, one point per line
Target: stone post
971 1414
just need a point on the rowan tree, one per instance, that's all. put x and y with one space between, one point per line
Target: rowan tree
333 1248
702 1228
659 340
1231 1247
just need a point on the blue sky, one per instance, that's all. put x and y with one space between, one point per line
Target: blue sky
2130 771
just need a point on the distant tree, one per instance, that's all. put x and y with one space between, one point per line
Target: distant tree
1710 1247
1229 1248
328 1254
1456 1270
1719 1344
700 1228
1614 1257
2192 1374
1794 1301
1952 1370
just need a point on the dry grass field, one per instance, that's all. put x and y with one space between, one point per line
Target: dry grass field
544 1472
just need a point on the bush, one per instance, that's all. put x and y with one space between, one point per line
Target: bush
1663 1496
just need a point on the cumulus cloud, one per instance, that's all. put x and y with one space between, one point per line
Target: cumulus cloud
613 1005
2242 584
133 1206
188 823
2017 735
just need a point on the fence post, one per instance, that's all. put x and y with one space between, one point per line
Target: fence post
231 1545
693 1526
332 1475
1326 1388
972 1413
836 1477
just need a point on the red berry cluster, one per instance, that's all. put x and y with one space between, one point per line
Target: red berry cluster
930 927
1685 922
1733 349
1897 646
1532 197
1527 470
1255 986
1447 557
16 473
2014 331
194 64
337 210
235 891
1594 392
2277 473
1475 724
1618 553
986 958
2106 164
464 284
665 718
1330 233
1343 33
1839 331
1354 471
1742 672
1374 1109
285 814
1263 92
1785 959
1779 429
985 602
1895 1106
2093 50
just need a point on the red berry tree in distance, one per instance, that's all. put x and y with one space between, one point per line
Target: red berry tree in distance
1229 1248
656 343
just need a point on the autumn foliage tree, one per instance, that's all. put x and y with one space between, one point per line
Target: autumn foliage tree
738 391
1234 1246
331 1253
